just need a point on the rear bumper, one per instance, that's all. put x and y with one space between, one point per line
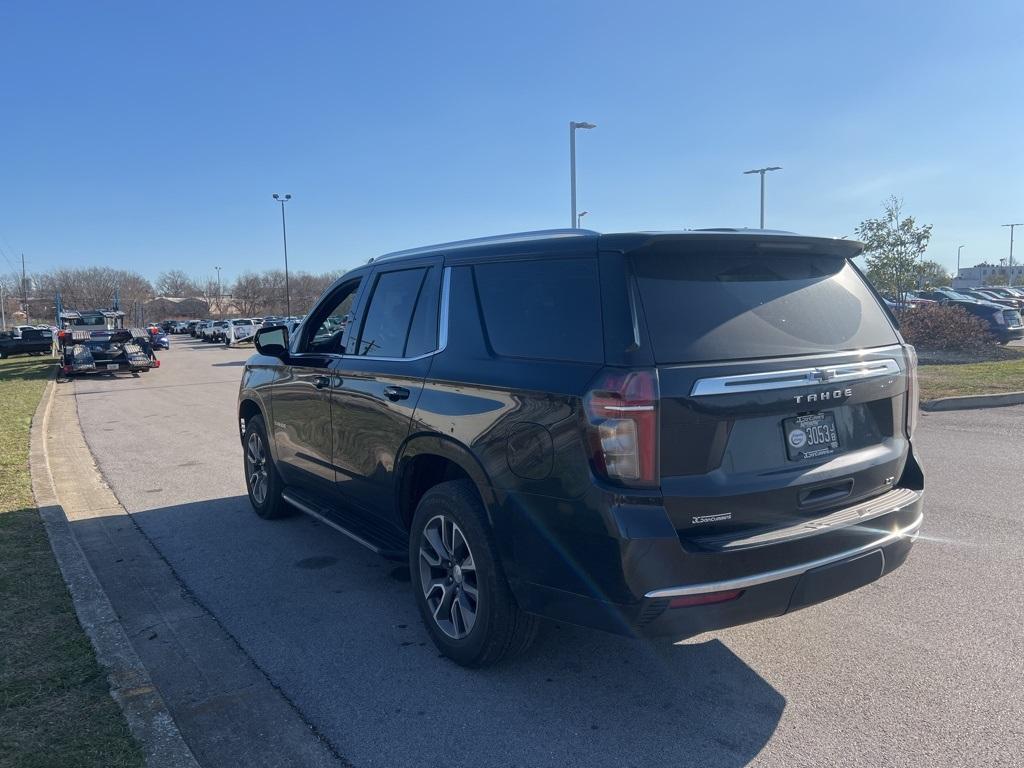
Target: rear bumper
642 580
762 595
104 366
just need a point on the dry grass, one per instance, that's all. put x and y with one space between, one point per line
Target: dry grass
55 706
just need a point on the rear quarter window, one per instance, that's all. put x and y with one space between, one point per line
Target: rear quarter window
717 304
548 309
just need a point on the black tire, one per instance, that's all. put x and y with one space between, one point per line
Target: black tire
268 504
500 629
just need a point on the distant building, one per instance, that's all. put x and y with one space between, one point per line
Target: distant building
986 274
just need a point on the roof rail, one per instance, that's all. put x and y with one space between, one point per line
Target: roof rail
517 237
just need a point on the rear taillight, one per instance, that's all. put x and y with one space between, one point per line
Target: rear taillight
913 391
622 409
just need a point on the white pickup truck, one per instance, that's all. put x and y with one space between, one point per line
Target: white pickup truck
240 330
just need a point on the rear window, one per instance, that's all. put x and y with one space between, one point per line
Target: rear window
544 309
718 304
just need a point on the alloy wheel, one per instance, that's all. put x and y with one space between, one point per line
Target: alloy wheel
448 577
256 467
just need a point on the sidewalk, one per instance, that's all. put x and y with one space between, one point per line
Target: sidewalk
191 695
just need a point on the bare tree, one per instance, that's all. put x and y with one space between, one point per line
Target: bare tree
94 287
177 284
210 291
248 293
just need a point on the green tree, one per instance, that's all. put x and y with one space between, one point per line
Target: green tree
894 247
931 274
998 278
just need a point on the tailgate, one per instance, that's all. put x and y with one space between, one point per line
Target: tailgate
730 460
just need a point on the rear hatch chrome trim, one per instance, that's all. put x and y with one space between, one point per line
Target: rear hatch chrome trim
744 582
796 377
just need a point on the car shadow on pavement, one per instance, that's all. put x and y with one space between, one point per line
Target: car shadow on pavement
336 629
230 364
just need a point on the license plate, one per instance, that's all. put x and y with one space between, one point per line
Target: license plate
112 366
811 436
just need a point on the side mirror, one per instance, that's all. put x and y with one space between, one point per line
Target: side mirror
272 341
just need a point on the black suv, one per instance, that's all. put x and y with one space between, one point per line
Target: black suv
647 433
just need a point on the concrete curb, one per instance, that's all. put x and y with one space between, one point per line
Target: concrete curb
148 717
973 401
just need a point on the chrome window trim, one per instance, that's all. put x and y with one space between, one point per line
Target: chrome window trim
795 377
910 531
442 331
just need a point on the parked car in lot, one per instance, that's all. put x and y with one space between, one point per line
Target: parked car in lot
201 327
239 330
216 331
995 298
1004 323
193 327
29 341
1004 291
159 338
650 434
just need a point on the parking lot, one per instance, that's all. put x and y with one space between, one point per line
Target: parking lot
921 668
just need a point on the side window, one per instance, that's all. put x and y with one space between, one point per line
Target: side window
423 332
386 327
331 320
546 309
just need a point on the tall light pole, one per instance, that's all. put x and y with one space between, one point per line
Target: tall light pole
579 217
219 300
958 249
284 235
762 172
1012 227
573 126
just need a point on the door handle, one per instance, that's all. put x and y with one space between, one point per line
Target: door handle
321 382
396 393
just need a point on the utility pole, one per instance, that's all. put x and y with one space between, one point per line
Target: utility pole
25 291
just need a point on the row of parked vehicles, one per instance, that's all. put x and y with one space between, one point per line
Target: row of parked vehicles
1001 308
228 331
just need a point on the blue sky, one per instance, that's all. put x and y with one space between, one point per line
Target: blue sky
151 135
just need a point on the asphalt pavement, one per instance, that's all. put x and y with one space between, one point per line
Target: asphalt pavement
922 668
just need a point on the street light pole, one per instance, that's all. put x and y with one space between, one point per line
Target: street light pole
219 299
579 217
284 236
1012 227
573 125
762 172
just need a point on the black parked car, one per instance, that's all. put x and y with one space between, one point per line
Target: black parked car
1003 322
30 341
650 434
